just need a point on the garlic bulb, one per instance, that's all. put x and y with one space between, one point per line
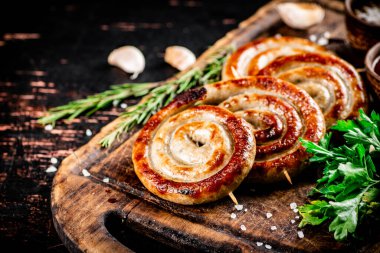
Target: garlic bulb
128 58
179 57
301 15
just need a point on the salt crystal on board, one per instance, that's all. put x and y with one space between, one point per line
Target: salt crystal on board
292 221
313 38
88 132
49 127
115 102
300 234
233 216
123 105
51 169
268 246
239 207
54 160
269 215
323 41
86 173
259 244
242 227
106 180
293 205
273 228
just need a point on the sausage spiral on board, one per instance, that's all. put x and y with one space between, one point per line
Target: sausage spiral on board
332 82
280 113
193 155
250 58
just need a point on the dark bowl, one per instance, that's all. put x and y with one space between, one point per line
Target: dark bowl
361 34
373 77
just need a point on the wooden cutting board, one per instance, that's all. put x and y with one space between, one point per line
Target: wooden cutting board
81 206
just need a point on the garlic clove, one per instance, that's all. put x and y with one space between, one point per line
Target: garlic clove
179 57
128 58
301 15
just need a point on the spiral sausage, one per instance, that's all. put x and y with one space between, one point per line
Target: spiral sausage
250 58
193 155
332 82
280 113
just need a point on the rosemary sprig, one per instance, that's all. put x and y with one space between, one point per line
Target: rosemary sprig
163 95
155 98
96 102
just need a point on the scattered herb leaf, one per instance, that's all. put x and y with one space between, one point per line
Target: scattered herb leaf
348 191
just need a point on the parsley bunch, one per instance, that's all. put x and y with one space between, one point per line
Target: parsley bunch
349 191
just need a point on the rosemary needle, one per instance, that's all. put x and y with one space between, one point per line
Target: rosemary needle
96 102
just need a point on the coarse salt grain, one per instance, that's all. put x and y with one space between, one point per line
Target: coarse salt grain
239 207
242 227
54 160
86 173
115 102
106 180
297 217
323 41
268 246
293 205
51 169
246 210
233 216
259 244
300 234
123 105
49 127
88 132
273 228
313 38
295 210
292 221
269 215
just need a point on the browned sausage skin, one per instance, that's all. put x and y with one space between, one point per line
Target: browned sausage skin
331 81
193 155
280 113
253 56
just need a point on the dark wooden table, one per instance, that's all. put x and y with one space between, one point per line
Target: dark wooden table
52 54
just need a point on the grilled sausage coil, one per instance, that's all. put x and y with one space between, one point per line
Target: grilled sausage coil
281 114
193 154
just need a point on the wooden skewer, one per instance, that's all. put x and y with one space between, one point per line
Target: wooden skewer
360 70
287 176
235 72
233 198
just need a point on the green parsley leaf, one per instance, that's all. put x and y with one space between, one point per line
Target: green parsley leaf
349 190
346 219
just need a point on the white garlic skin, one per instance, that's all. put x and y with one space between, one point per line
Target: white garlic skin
301 15
128 58
179 57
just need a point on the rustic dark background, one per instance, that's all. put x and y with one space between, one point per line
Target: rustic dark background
54 53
